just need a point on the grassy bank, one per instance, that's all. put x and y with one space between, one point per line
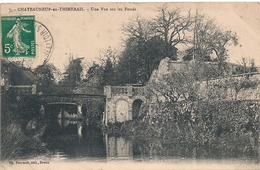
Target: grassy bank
16 145
205 123
21 126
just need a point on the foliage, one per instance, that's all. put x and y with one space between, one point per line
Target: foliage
199 123
204 71
192 53
22 108
108 62
174 86
73 72
172 27
139 59
16 74
16 141
208 38
16 145
110 54
29 107
109 73
133 64
129 65
222 149
94 76
45 78
149 41
248 66
94 110
218 89
8 105
93 84
209 42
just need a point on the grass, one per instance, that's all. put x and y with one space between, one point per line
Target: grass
15 144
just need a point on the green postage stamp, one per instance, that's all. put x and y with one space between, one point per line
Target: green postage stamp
18 36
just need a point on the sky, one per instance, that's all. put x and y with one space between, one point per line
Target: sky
86 33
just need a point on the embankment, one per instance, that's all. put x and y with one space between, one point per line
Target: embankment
227 122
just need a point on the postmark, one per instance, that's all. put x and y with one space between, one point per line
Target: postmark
26 41
45 42
18 36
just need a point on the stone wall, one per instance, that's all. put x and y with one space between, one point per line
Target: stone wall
212 89
205 88
120 99
119 102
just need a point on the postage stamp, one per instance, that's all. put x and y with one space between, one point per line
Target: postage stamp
18 36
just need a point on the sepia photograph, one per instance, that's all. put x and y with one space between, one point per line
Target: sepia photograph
130 85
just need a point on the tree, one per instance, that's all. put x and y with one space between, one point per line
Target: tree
253 68
192 53
137 61
149 41
201 29
16 74
109 73
247 66
29 107
237 84
138 28
108 61
110 54
211 40
94 76
93 84
129 64
219 42
155 54
171 26
45 78
174 86
74 72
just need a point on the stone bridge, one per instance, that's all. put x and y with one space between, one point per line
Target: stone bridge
69 98
73 102
123 103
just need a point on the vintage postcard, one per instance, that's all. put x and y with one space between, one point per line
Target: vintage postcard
130 86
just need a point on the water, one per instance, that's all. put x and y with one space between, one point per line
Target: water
75 140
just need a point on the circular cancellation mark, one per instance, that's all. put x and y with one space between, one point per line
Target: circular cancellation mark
45 42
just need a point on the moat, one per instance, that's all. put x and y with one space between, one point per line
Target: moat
76 140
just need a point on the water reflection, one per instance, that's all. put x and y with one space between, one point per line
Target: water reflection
73 139
64 123
119 148
154 150
67 139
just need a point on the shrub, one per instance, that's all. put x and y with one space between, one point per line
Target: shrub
29 107
200 123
